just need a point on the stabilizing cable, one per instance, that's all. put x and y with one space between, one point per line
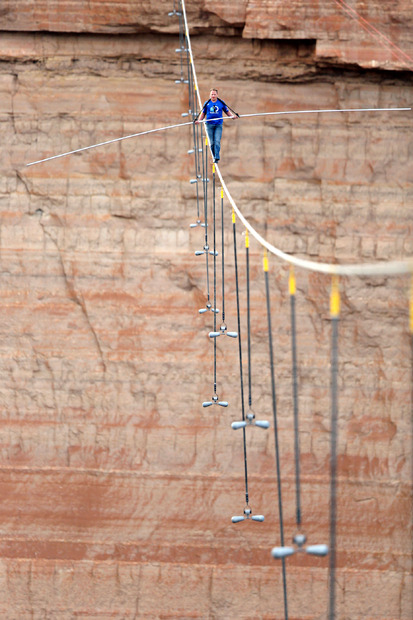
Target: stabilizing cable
250 417
247 510
299 539
277 451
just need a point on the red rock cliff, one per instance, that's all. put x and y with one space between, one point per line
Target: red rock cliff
117 486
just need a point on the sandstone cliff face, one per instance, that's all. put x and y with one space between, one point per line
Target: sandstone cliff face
373 34
117 486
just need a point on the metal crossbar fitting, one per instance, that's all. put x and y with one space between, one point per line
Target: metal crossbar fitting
250 421
208 306
198 223
215 401
205 250
299 541
247 515
223 332
174 12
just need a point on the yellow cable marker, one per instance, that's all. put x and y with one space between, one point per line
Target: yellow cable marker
291 281
265 259
213 168
335 297
206 141
222 192
233 216
247 238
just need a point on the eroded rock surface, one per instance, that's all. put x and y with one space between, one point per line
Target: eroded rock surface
117 486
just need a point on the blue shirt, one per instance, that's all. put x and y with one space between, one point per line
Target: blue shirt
214 111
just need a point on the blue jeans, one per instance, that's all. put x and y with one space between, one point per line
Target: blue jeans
214 133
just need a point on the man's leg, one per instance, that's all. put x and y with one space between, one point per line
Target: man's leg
217 141
210 129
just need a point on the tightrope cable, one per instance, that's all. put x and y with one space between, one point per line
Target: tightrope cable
167 127
385 268
389 268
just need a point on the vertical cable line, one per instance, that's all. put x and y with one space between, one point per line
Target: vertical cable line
196 150
190 87
251 421
411 376
205 184
299 539
222 257
277 451
181 43
334 313
292 291
190 51
240 358
247 259
215 278
411 337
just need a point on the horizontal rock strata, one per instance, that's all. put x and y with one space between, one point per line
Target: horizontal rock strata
117 486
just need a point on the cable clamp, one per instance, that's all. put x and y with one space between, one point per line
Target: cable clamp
299 541
215 401
250 421
247 515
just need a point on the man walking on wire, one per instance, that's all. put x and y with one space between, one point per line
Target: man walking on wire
212 110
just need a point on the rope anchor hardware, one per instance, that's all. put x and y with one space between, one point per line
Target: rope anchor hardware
197 223
223 331
299 540
250 421
208 306
247 515
174 12
215 401
205 250
192 181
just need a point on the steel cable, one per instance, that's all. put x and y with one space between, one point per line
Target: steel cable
292 291
240 357
277 451
334 313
